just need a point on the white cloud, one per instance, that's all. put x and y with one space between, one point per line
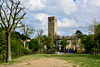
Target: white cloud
95 2
61 33
68 6
34 4
71 15
43 18
53 7
67 23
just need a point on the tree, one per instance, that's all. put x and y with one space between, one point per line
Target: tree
16 45
78 32
50 42
34 45
64 43
17 35
11 14
97 35
27 30
76 38
95 28
88 42
40 32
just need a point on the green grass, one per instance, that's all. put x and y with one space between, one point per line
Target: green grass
84 60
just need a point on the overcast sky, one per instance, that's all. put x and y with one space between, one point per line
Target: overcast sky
72 14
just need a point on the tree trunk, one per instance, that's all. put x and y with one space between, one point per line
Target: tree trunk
8 48
98 48
41 48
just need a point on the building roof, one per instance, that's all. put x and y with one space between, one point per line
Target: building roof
27 40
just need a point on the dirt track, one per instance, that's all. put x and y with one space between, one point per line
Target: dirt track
43 62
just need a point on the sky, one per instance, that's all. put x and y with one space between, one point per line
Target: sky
72 15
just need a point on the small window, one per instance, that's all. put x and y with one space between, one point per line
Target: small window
50 20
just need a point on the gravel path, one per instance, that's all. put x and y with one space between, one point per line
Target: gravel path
43 62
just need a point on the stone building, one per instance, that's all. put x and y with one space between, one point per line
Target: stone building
52 26
52 30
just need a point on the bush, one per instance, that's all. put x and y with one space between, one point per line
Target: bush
94 50
79 51
34 45
2 57
52 51
44 51
26 50
16 45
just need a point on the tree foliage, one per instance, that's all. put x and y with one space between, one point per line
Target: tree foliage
50 42
16 42
95 28
16 45
64 43
3 41
27 30
78 32
88 42
17 35
97 34
34 45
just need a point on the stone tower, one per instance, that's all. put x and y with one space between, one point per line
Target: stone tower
52 26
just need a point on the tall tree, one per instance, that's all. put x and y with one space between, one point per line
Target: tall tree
78 32
27 30
97 36
11 14
76 38
95 28
40 33
88 42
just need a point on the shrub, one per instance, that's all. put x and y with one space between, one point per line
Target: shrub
26 50
52 51
34 45
16 45
79 51
44 51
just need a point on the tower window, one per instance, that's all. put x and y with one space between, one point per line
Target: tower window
51 20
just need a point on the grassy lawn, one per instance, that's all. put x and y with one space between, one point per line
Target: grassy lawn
84 60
